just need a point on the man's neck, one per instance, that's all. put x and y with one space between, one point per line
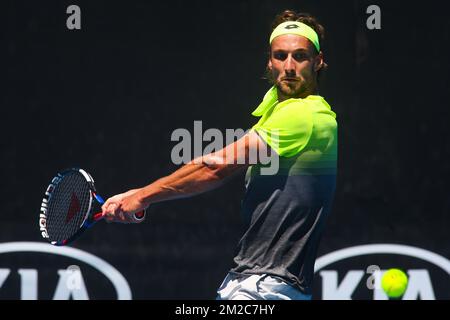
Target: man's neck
282 97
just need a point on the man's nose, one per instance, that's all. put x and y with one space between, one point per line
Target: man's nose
289 65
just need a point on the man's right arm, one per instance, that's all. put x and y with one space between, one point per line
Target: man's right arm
200 175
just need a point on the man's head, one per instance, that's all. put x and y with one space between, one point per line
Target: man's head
295 58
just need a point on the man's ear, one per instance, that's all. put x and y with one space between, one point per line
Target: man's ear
269 64
318 63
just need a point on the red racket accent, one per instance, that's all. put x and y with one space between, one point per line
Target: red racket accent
74 207
98 216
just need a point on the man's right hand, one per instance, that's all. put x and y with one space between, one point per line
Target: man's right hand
117 208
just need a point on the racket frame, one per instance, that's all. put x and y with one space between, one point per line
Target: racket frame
88 220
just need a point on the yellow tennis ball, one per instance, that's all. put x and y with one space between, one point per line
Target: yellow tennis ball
394 283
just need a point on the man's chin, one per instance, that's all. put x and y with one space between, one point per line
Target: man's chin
290 92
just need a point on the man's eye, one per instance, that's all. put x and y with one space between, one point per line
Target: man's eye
299 56
280 56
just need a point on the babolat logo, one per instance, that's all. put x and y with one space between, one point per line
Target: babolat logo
292 26
357 272
40 271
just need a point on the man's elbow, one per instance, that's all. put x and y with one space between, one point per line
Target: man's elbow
219 169
223 171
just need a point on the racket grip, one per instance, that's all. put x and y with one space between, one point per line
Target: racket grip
98 216
138 215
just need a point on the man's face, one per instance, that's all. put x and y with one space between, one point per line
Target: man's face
294 63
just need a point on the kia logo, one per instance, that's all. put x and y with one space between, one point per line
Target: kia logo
67 282
341 274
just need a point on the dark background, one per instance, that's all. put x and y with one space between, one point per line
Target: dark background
107 98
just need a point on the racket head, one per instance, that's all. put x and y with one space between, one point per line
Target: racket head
66 207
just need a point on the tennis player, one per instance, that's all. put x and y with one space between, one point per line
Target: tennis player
285 212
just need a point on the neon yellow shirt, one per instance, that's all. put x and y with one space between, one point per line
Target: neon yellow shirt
303 132
285 210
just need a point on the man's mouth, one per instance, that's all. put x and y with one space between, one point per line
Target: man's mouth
289 79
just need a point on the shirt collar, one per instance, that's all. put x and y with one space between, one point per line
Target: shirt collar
270 98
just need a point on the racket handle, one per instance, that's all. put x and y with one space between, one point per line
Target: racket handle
98 198
138 216
98 216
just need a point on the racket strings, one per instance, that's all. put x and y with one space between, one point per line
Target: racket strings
68 206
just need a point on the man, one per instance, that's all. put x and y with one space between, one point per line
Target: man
285 212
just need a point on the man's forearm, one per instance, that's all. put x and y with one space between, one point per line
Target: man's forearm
191 179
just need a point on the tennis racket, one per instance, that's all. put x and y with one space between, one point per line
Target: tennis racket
67 207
